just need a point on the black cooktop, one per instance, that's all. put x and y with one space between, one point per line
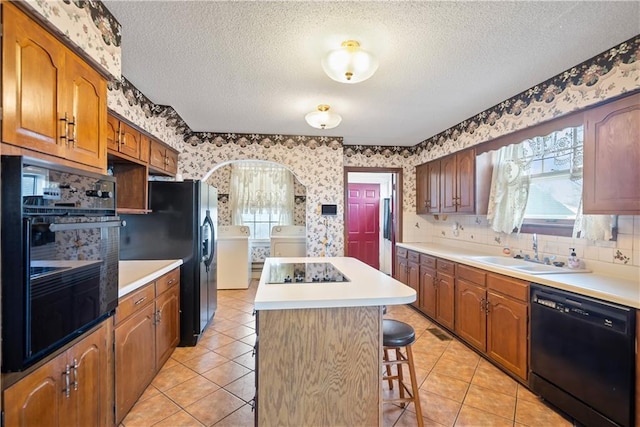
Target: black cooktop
305 272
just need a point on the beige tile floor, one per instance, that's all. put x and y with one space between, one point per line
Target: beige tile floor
212 383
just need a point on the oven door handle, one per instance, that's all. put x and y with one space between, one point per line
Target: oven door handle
85 225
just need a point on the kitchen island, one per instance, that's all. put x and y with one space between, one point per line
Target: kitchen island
319 342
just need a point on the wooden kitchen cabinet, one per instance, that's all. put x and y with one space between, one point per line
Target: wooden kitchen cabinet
69 390
163 158
471 298
428 285
507 323
445 293
611 158
408 271
457 182
54 103
437 287
125 139
428 187
147 330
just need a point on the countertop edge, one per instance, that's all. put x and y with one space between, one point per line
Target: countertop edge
610 289
139 282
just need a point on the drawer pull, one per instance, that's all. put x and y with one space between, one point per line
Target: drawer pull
171 282
140 301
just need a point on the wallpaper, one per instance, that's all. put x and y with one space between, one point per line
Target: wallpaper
87 24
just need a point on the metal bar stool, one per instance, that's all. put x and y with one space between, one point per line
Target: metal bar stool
395 336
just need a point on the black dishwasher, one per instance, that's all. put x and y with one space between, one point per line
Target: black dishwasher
582 356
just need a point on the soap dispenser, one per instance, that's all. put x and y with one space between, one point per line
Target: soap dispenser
573 260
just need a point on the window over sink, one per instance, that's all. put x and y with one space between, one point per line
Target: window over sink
536 187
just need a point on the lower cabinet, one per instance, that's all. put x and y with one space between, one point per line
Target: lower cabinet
69 390
147 329
488 311
492 316
437 289
408 271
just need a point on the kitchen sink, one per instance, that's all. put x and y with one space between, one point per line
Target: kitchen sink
524 266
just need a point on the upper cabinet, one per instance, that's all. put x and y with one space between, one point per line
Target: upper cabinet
428 187
125 139
162 158
54 103
457 182
447 185
611 175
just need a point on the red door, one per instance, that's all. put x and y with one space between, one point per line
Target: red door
364 223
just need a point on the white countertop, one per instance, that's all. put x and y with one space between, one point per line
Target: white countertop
134 274
367 287
612 289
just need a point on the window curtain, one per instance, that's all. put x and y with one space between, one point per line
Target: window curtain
510 182
593 227
509 190
261 188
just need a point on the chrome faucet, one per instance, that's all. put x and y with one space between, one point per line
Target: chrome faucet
535 247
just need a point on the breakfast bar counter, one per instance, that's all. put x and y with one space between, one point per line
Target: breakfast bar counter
319 341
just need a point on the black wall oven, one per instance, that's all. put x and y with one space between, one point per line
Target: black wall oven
60 241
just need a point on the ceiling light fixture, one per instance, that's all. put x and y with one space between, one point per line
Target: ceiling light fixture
350 63
323 118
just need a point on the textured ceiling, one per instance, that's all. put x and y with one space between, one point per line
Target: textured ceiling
254 67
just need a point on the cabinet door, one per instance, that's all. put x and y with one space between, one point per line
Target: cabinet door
428 291
135 358
448 184
172 161
157 155
611 158
422 188
89 378
145 146
413 278
86 103
36 400
465 181
433 187
445 313
32 82
168 324
471 318
113 133
402 273
507 342
129 141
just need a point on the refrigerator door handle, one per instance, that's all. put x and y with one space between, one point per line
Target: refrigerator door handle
207 243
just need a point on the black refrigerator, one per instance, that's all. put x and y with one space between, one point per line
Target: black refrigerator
182 225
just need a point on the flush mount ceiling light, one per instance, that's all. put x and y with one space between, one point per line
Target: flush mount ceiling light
323 118
350 63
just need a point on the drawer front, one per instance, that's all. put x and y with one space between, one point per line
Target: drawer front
131 303
401 252
427 261
414 256
514 288
444 266
472 275
167 281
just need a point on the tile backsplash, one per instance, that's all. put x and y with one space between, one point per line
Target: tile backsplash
618 258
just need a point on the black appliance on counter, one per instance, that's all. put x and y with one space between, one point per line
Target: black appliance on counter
182 225
60 237
582 356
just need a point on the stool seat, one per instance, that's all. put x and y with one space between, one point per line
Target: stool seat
397 334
